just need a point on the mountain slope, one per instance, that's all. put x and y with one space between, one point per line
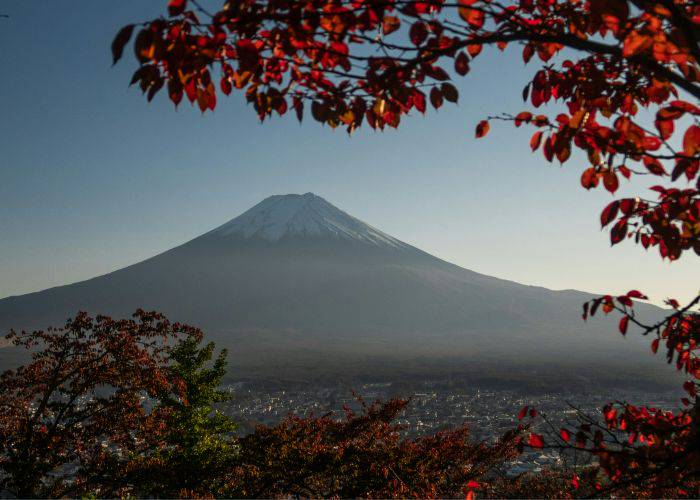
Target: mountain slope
295 284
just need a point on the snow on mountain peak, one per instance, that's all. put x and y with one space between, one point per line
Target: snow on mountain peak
294 215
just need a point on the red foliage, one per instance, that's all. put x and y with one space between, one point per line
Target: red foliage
632 56
363 455
70 418
645 451
653 449
113 408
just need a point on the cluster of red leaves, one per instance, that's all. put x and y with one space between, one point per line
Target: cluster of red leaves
79 403
376 60
672 220
364 455
644 451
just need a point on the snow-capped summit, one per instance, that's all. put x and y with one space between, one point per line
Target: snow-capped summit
294 215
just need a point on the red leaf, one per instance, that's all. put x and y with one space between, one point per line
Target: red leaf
691 140
319 111
523 116
248 55
175 91
526 92
609 413
419 100
536 140
654 166
523 412
202 100
636 294
120 41
418 33
651 143
211 97
438 73
682 165
482 129
627 205
635 42
618 232
623 324
474 17
536 440
154 88
191 89
609 213
673 303
608 304
655 346
176 7
474 49
564 434
436 97
450 92
665 128
689 387
610 181
298 108
625 300
589 178
226 85
390 24
144 48
462 64
548 149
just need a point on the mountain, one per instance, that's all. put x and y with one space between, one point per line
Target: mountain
297 288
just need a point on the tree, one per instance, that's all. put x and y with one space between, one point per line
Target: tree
70 418
363 455
632 56
643 451
127 408
198 447
621 74
112 408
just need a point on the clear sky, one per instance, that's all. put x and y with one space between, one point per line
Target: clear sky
93 178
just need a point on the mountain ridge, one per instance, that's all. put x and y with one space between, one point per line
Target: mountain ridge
330 290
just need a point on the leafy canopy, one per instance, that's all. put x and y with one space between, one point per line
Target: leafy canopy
374 61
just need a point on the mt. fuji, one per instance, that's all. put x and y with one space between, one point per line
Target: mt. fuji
295 287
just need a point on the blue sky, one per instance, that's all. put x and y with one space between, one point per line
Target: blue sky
93 178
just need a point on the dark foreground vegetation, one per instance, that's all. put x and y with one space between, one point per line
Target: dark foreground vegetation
128 407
